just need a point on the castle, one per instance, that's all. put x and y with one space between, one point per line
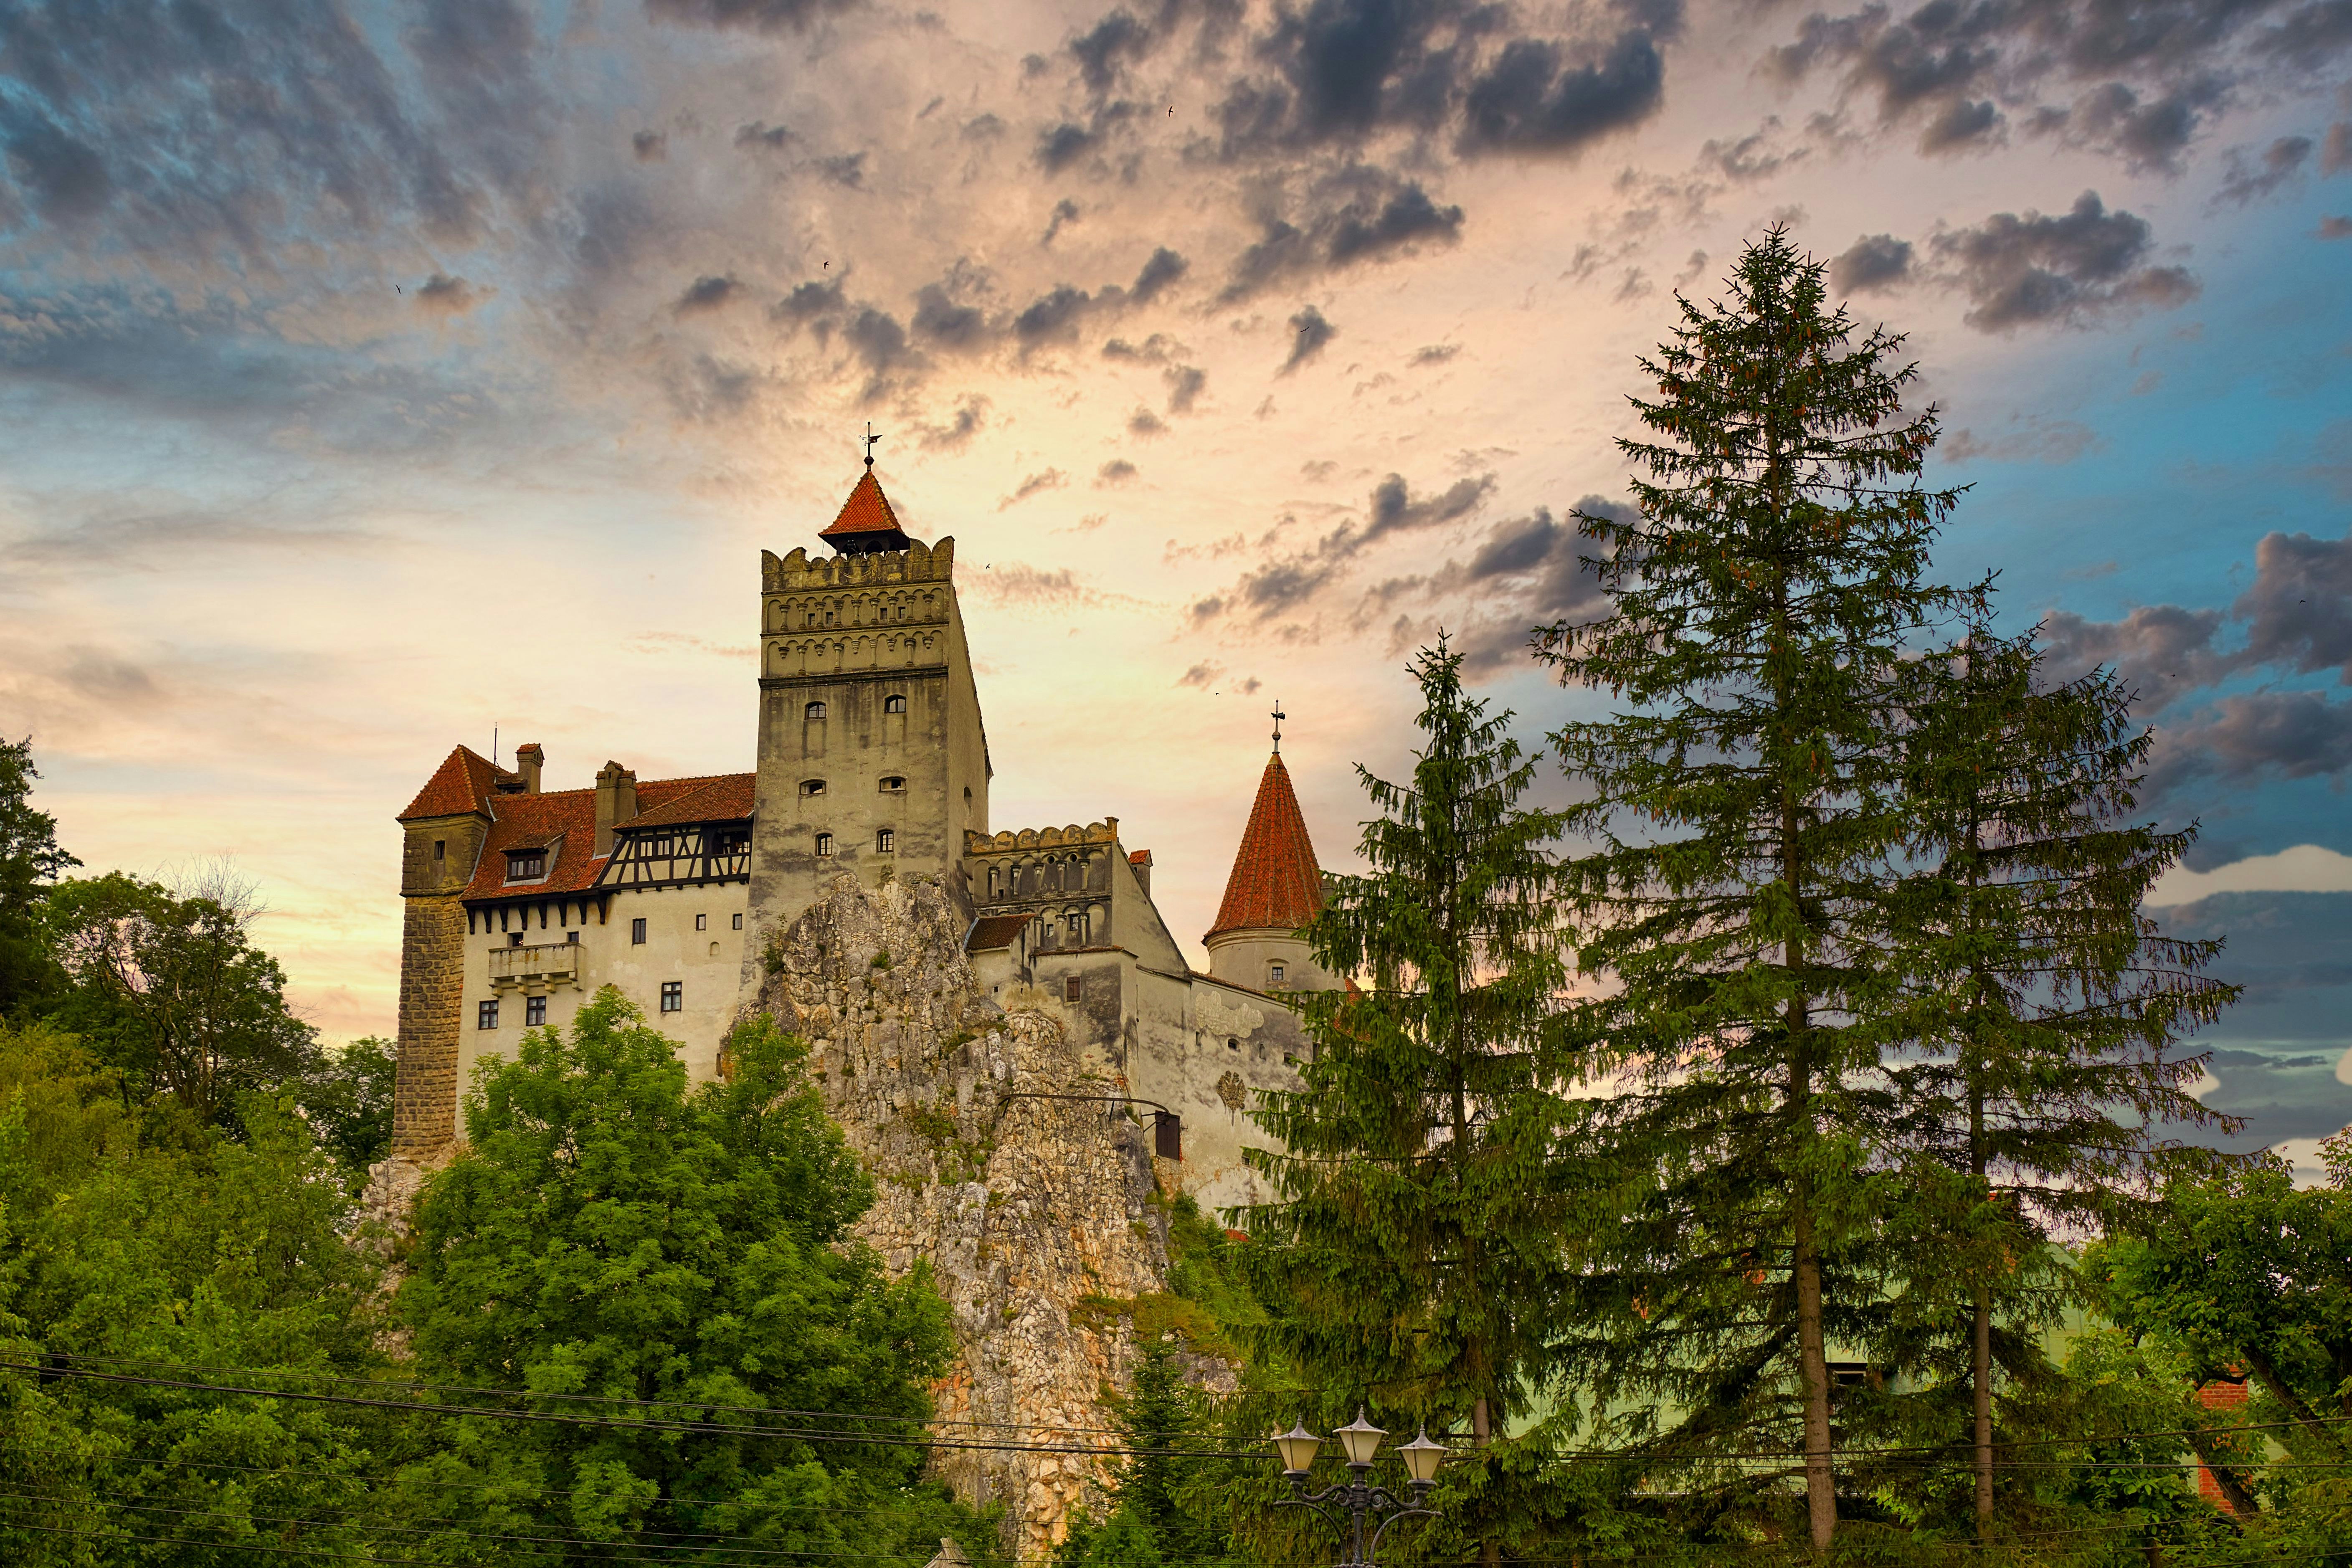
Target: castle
873 764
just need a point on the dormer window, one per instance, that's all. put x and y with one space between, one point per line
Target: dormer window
813 710
893 785
894 705
811 786
526 865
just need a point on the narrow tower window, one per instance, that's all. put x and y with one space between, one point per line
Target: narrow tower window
637 932
883 838
813 710
894 704
825 844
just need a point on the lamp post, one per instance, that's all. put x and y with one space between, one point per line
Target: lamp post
1356 1496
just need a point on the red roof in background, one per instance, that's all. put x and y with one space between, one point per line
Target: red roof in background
463 783
564 821
866 512
1274 881
992 932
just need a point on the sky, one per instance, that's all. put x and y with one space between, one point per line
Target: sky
375 379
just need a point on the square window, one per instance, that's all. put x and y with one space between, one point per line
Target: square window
811 786
738 923
637 932
702 922
673 996
514 939
534 1011
573 937
893 783
1071 989
1277 974
486 1015
883 839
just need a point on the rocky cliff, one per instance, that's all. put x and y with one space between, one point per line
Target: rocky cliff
1024 1207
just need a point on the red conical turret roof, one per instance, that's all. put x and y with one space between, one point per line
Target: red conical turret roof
1275 882
866 524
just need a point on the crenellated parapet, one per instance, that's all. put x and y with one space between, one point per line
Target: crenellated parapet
1105 832
800 571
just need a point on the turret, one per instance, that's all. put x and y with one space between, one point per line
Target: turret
1275 889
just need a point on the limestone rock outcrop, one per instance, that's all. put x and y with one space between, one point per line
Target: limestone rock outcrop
1023 1207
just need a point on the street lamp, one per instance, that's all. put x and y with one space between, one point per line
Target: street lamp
1356 1496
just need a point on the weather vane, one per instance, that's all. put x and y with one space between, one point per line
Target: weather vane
870 439
1278 716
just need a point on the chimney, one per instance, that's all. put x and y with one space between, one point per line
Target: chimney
616 803
528 760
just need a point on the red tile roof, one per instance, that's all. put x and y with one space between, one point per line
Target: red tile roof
866 513
1274 881
564 821
464 783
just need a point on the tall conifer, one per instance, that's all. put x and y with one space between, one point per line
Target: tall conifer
2046 1009
1414 1250
1746 812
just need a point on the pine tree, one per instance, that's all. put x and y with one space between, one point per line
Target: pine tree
2046 1008
1413 1252
1746 812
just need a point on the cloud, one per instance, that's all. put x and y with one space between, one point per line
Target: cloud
1143 424
1185 385
2299 609
2249 180
1872 263
1161 271
1435 353
845 169
1202 675
650 146
706 293
970 412
443 295
759 133
1059 146
1036 484
2304 868
1536 98
2162 651
2065 268
1342 217
2044 441
1289 581
2284 734
1065 211
1310 334
2334 228
752 15
2336 149
1117 471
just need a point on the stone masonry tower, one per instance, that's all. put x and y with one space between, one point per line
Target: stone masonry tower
873 761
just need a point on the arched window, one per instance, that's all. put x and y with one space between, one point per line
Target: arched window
893 783
894 704
883 837
823 844
813 710
811 786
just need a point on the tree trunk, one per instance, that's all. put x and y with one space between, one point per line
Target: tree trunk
2267 1374
1980 1341
1820 1486
1490 1550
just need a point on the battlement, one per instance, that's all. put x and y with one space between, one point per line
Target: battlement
918 562
1103 832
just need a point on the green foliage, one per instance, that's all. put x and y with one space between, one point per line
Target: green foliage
1748 811
2239 1275
212 1259
609 1233
30 861
168 988
1420 1234
1157 1515
347 1098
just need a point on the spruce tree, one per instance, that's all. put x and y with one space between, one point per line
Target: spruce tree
1746 813
2046 1010
1412 1255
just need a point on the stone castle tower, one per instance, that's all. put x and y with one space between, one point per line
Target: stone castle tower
873 768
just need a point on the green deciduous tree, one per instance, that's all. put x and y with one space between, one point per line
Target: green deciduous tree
1415 1246
610 1233
169 989
30 861
1747 809
2046 1010
204 1259
347 1098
